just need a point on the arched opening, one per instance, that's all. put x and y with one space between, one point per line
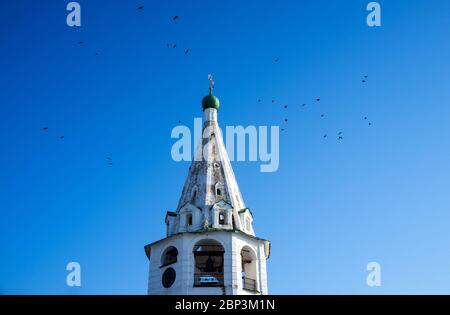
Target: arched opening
208 269
222 218
248 259
189 219
219 189
169 256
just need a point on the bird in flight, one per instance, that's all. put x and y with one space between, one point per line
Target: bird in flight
303 105
340 138
174 46
285 106
175 17
45 128
186 51
285 120
322 115
140 8
259 100
81 43
318 99
273 101
276 59
62 137
324 136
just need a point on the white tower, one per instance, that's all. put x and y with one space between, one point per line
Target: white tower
210 246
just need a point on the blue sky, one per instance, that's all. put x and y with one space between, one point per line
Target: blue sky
380 194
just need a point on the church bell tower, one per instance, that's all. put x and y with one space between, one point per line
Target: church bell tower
210 245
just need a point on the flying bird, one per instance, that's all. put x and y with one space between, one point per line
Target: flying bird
186 51
140 8
45 128
303 105
318 99
259 100
273 101
285 106
340 138
324 136
322 115
285 120
81 43
175 17
174 46
62 137
276 59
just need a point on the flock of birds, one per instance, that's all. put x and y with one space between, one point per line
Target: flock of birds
168 45
109 160
317 100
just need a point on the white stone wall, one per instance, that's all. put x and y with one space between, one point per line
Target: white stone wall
184 267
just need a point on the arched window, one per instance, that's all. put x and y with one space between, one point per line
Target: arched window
249 279
208 270
222 218
169 256
219 189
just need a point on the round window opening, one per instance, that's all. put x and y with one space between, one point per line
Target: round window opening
168 277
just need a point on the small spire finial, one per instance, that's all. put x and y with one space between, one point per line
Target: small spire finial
211 83
210 101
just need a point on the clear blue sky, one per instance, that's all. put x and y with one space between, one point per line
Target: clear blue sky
380 195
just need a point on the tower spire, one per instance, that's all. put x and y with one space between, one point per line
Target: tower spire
210 245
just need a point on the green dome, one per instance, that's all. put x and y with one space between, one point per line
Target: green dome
210 101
